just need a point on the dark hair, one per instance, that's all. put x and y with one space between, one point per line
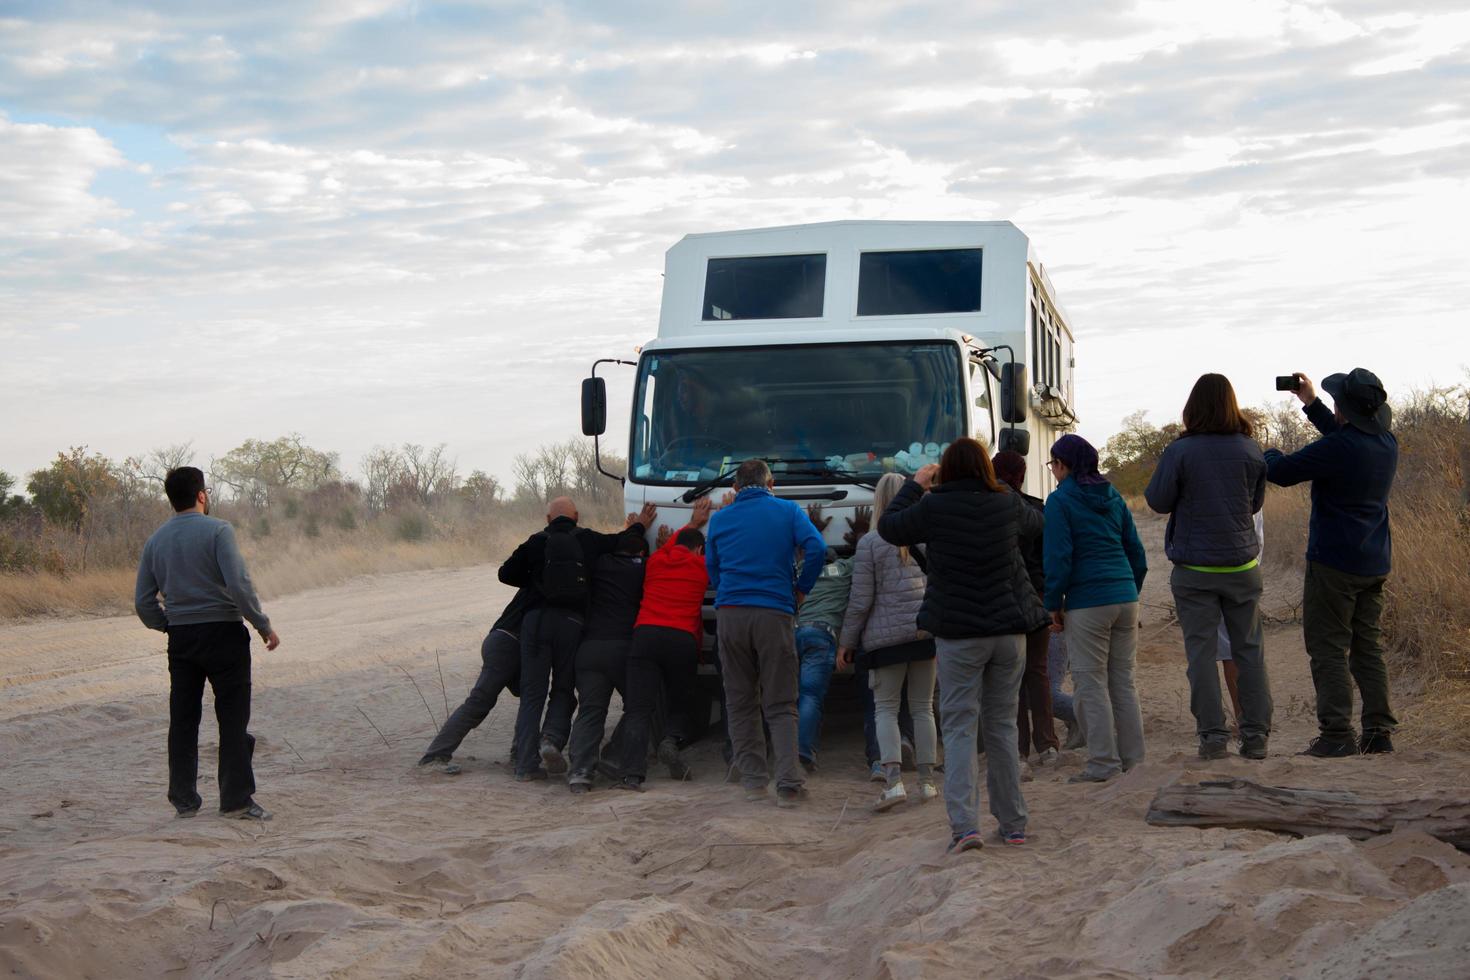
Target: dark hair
1213 410
182 486
632 543
1010 468
966 459
752 473
691 538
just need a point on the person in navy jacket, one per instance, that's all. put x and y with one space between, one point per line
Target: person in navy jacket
1349 555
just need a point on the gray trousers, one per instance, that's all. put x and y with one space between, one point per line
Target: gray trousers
761 674
1102 645
887 684
1202 600
979 682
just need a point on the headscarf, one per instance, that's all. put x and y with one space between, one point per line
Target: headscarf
1010 467
1080 458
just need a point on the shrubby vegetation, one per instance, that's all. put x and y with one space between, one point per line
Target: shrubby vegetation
82 521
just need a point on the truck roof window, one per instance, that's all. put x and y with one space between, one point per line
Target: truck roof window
765 287
944 280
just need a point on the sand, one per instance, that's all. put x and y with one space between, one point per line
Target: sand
370 869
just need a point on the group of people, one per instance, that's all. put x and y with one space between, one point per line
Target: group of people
966 587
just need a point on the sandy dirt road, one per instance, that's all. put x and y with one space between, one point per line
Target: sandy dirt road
369 869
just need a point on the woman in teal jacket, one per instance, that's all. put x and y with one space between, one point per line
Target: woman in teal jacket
1094 568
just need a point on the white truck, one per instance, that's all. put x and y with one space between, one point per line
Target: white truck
837 352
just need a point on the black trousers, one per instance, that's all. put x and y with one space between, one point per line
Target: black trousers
661 660
601 667
500 659
549 640
220 654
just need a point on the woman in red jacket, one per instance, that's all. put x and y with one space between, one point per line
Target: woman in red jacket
665 651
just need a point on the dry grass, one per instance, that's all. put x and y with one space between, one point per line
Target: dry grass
280 566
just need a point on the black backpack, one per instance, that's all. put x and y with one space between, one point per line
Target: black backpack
564 578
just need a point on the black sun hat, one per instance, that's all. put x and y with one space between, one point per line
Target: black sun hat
1361 398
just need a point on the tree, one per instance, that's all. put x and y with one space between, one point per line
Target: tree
380 469
428 471
12 505
156 465
66 490
480 489
261 472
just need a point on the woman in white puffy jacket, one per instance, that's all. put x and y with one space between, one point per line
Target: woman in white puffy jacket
887 591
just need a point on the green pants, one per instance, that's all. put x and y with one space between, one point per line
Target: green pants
1340 614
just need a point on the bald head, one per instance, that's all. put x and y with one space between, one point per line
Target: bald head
561 507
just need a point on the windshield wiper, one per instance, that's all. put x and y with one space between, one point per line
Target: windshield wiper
727 472
726 475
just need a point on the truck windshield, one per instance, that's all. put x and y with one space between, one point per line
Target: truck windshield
826 412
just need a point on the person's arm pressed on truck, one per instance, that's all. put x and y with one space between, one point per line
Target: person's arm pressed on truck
804 535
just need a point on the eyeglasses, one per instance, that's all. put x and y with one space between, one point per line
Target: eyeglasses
1053 462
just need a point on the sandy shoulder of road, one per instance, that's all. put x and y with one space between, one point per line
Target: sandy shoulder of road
369 869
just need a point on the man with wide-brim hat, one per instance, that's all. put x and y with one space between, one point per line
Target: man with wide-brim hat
1349 554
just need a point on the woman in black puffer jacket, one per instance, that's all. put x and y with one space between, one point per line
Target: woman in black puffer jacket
979 605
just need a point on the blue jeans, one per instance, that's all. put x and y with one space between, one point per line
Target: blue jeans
817 650
1056 669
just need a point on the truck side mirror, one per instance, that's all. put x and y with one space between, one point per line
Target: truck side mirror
594 406
1013 401
1015 440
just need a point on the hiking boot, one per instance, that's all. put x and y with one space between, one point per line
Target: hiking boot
580 782
1253 746
906 755
968 841
1323 747
439 765
755 794
668 754
1075 739
552 759
1375 743
578 789
788 798
252 812
632 784
185 812
891 797
1026 774
535 775
1210 750
876 774
1046 757
928 792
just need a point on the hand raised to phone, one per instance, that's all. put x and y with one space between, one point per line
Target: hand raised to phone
927 475
1305 390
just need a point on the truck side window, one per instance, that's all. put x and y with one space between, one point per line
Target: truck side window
765 287
940 280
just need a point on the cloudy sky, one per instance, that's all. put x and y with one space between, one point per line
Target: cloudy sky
374 221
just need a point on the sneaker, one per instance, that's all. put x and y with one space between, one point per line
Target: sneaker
1075 738
1026 774
1013 837
630 783
891 797
906 755
928 792
788 798
252 812
1375 743
1253 747
1087 777
668 754
968 841
755 794
535 775
185 812
876 774
438 765
1323 747
1210 750
579 782
1046 757
579 789
552 759
808 766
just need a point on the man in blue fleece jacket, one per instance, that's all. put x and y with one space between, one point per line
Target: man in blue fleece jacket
749 552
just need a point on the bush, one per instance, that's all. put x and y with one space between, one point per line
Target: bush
347 519
411 526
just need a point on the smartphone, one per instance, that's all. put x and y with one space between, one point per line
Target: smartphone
1288 382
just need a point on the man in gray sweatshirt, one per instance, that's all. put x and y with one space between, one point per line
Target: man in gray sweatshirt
193 564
